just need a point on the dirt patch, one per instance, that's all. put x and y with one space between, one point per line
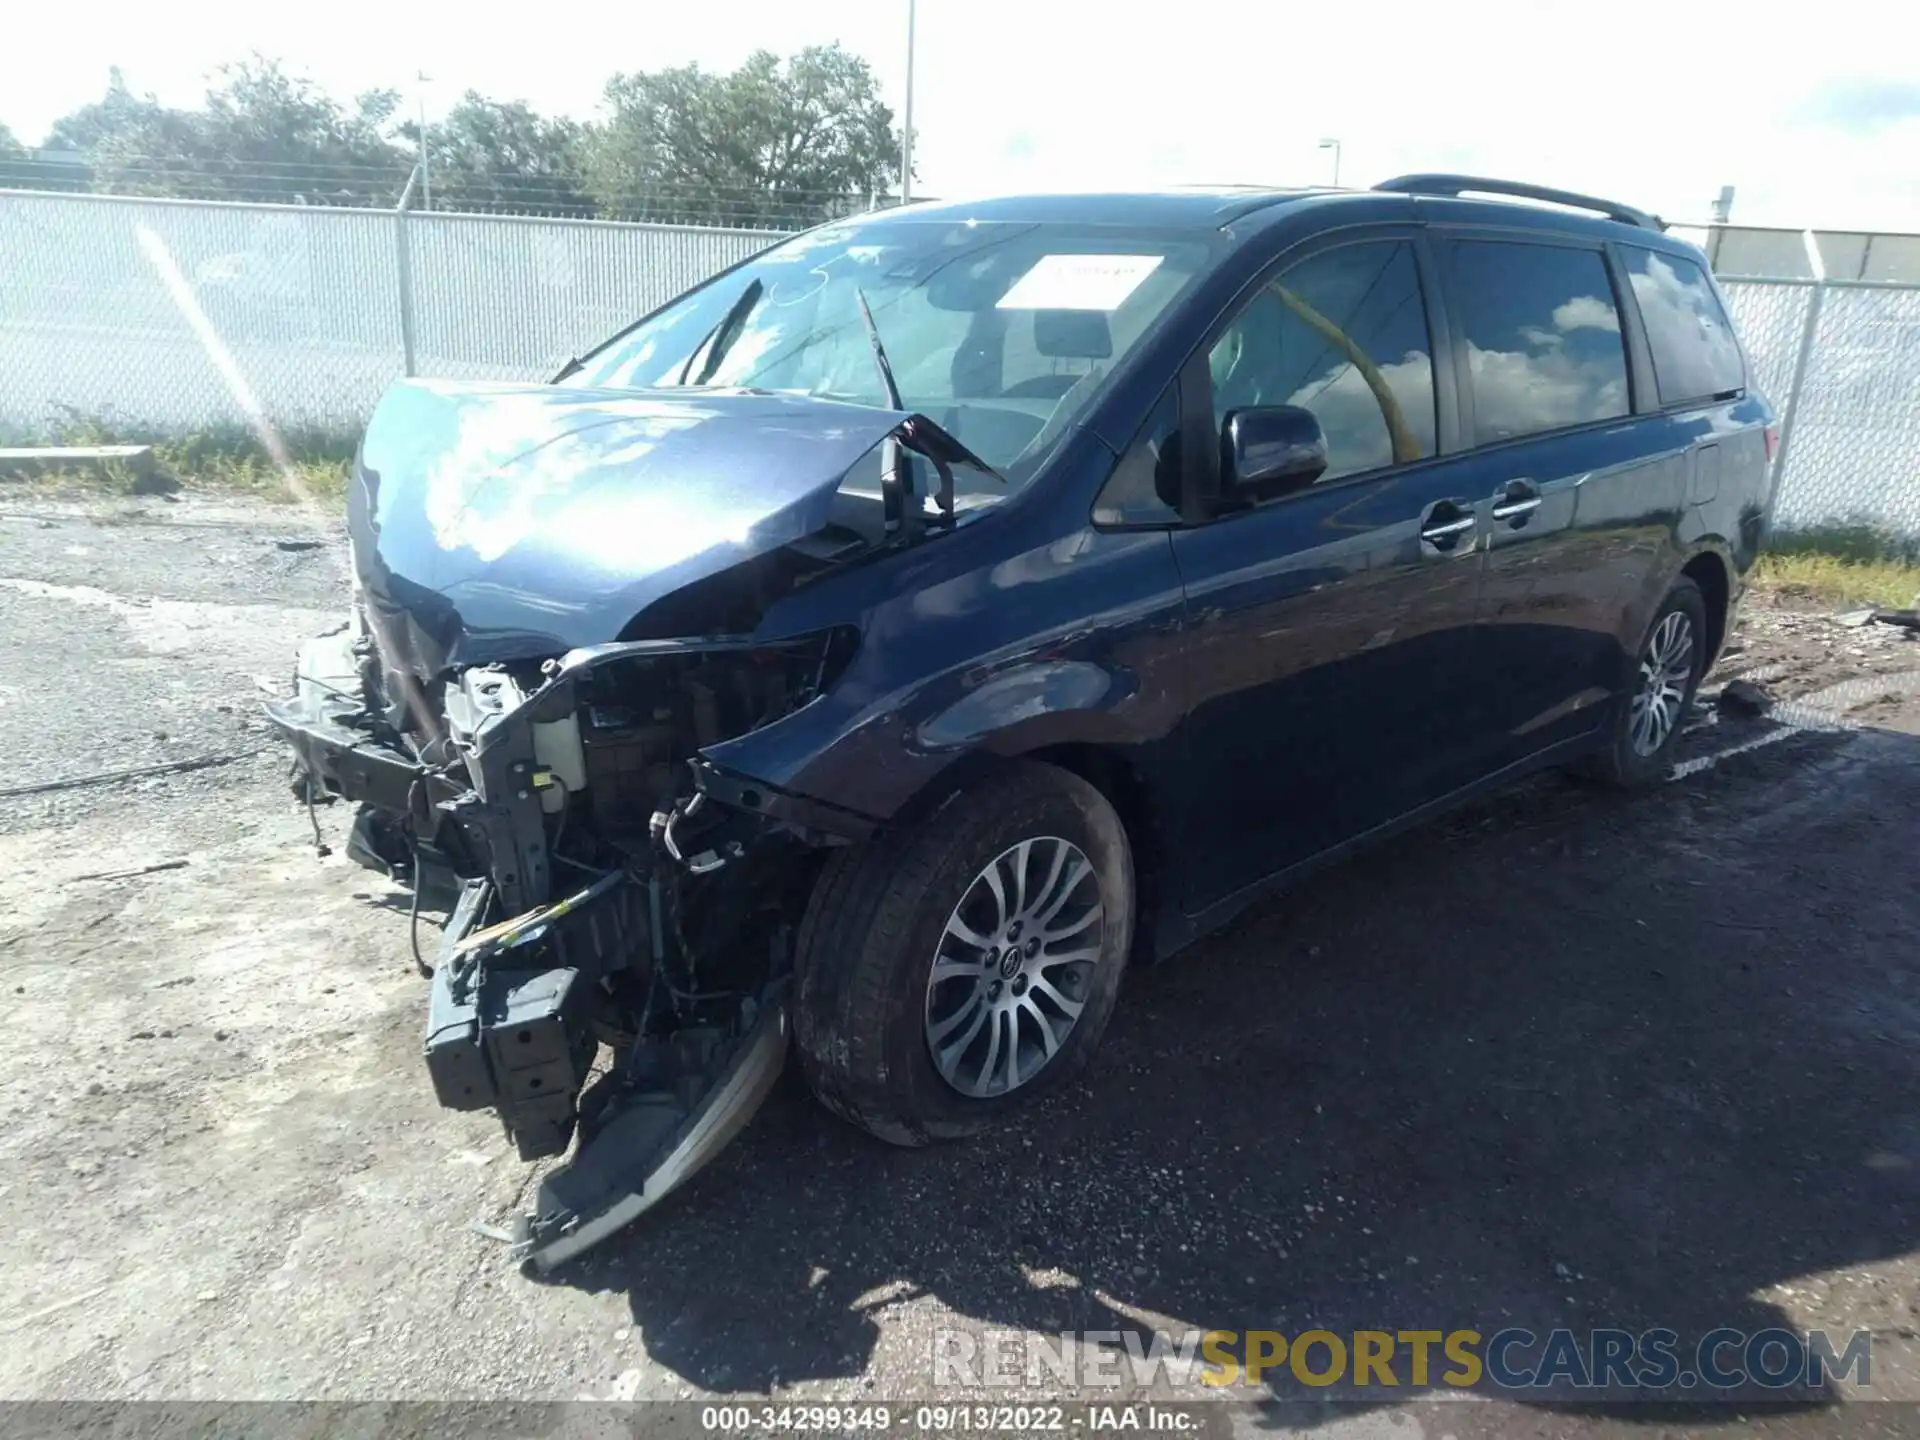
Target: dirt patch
1799 654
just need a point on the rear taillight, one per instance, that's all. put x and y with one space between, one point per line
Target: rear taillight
1773 442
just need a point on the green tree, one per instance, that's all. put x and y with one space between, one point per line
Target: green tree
10 148
117 112
775 143
263 134
502 155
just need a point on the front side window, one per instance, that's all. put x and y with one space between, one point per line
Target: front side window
1695 356
1343 334
1000 332
1542 335
1144 488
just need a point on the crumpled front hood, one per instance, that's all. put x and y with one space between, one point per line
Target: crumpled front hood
506 521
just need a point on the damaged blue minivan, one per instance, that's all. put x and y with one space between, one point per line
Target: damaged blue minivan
874 649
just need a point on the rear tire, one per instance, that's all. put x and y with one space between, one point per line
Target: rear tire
868 1013
1667 670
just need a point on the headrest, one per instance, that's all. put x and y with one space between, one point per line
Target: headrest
1072 334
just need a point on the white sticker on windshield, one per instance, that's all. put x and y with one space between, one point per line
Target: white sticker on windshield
1079 282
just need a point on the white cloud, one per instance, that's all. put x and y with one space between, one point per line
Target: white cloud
1690 347
1587 312
1517 393
1350 416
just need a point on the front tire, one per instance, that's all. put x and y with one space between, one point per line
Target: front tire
1648 721
952 971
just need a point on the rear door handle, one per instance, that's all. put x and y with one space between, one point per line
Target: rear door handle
1516 500
1445 523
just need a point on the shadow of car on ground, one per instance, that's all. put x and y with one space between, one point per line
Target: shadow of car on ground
1565 1059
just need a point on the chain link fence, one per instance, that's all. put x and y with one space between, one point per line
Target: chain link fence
89 329
322 308
1769 319
509 297
1841 358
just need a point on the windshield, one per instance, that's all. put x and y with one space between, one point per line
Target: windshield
1000 333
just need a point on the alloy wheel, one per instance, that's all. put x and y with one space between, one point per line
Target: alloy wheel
1665 672
1014 967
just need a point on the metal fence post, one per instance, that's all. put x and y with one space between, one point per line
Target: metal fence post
403 269
1809 332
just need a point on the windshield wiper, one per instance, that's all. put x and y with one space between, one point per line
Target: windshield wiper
896 475
722 336
879 352
885 368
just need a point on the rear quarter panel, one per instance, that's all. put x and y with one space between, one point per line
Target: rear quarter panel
1718 460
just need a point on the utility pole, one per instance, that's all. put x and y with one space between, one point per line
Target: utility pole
426 179
1722 213
906 125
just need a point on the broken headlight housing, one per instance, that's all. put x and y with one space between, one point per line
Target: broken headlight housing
620 905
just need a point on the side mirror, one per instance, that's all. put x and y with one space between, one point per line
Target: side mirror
1268 451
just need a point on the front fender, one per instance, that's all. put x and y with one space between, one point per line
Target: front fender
1044 702
1076 640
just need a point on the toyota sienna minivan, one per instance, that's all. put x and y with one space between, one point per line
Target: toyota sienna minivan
871 651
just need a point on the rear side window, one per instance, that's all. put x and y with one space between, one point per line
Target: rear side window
1695 356
1542 334
1343 334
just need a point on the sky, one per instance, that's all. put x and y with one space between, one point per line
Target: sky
1812 113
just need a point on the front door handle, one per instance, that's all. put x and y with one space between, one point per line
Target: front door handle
1515 501
1445 523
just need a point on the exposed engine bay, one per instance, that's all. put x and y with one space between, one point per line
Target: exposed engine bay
611 976
614 963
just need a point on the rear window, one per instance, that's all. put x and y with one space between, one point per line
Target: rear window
1543 337
1695 356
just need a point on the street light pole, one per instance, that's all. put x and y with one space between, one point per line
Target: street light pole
426 180
906 126
1333 145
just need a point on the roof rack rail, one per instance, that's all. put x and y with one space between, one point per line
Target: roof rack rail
1457 185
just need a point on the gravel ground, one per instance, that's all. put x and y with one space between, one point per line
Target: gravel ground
1566 1058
